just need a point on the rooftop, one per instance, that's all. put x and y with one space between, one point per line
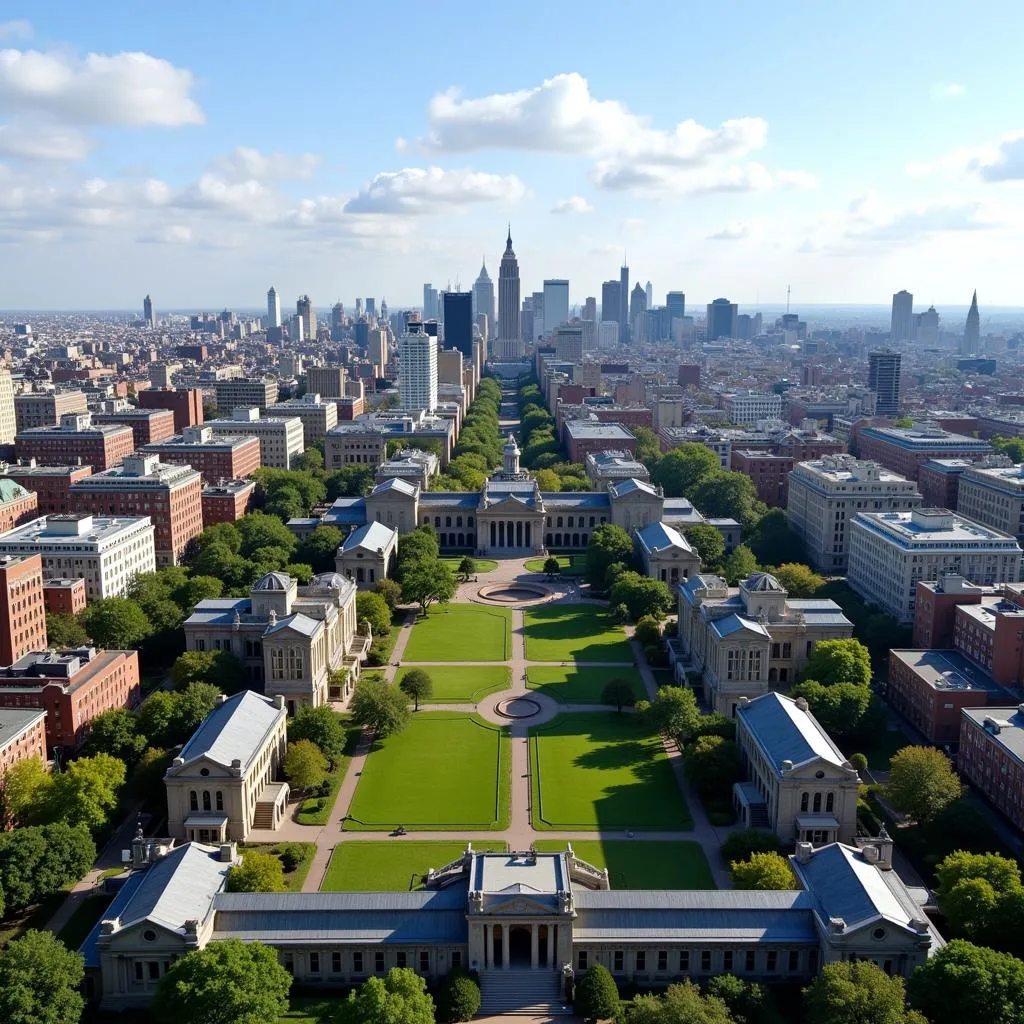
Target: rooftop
1005 725
370 537
925 438
788 732
15 721
946 670
595 430
936 525
73 529
235 730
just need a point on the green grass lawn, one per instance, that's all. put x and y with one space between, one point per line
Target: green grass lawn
461 632
304 851
316 810
85 915
574 632
393 866
482 564
634 864
600 770
464 684
445 771
579 684
310 1010
571 565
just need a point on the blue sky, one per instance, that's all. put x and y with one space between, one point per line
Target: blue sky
202 152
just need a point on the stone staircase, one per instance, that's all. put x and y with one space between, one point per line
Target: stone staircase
263 814
521 991
759 817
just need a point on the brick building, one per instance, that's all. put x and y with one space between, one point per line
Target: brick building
99 446
64 596
991 757
905 449
22 614
22 735
939 482
186 404
45 408
583 436
17 505
148 425
227 501
216 457
51 484
769 473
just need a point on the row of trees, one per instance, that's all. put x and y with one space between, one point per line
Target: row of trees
542 451
478 449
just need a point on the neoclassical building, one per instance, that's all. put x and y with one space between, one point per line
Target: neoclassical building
525 921
289 638
744 641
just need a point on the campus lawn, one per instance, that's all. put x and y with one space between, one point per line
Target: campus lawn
580 684
465 684
635 864
580 632
570 565
310 1010
396 865
602 771
461 632
482 564
445 771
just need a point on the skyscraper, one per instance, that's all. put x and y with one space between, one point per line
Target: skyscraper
649 293
721 319
510 342
623 317
417 368
273 308
371 308
304 310
483 297
147 312
972 329
637 314
610 301
458 322
676 303
429 302
884 380
337 322
556 304
902 326
590 308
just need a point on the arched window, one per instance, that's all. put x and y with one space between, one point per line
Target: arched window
193 800
206 800
830 802
817 803
220 800
804 802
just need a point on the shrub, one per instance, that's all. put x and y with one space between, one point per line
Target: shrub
859 761
458 999
647 631
739 846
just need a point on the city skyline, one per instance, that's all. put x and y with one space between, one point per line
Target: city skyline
131 166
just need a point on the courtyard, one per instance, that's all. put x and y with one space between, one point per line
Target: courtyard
580 684
389 865
574 632
642 864
464 684
460 632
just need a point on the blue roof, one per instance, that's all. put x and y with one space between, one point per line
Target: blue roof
576 499
729 624
346 511
449 499
236 728
787 733
630 486
657 537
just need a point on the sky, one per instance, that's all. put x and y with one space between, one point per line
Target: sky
203 152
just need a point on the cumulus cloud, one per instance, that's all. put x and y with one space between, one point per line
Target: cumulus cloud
18 29
994 162
731 232
244 163
42 142
98 89
417 190
573 204
947 91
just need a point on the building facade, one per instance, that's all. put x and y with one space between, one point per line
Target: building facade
249 393
45 408
905 449
417 369
186 404
22 735
994 495
317 416
50 484
745 408
227 502
214 455
17 505
147 425
76 439
281 440
22 609
368 555
991 757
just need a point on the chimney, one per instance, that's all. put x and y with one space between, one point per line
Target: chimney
802 704
279 701
884 845
222 698
804 853
228 853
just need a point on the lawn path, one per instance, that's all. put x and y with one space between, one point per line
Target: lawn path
520 833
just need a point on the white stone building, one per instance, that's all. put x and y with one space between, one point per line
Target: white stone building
993 494
368 554
280 439
825 493
317 415
747 407
891 551
665 553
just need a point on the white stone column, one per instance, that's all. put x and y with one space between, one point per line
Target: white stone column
534 944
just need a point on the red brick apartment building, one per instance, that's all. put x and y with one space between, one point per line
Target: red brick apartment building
22 735
939 482
148 425
186 404
22 611
51 484
64 596
769 473
991 757
227 502
905 449
216 457
100 446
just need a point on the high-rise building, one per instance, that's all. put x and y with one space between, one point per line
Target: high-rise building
510 341
526 317
23 622
359 308
556 304
676 303
884 380
902 327
377 350
568 339
361 332
610 302
483 297
721 319
147 312
417 369
337 322
926 327
371 308
972 329
623 316
297 328
8 417
273 308
429 302
638 314
458 322
649 294
304 310
590 309
538 318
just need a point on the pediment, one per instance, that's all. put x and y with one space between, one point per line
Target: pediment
190 771
513 903
513 506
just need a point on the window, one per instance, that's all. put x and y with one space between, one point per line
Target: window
794 960
727 960
830 801
139 976
640 963
424 962
378 962
817 803
456 959
220 800
750 963
206 800
662 959
401 960
314 963
193 800
581 960
153 969
335 963
773 960
617 960
684 961
705 959
805 799
357 963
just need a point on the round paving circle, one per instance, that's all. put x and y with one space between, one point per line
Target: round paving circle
518 707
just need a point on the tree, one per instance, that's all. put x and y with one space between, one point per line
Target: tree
87 790
839 661
967 984
193 705
799 580
839 709
400 997
258 872
320 547
739 564
467 568
39 860
673 713
116 732
976 891
258 530
417 685
286 503
427 581
547 480
379 707
647 631
552 569
921 782
115 623
608 544
374 609
773 540
597 996
196 589
304 765
390 591
458 999
712 765
747 1001
648 447
311 460
765 870
619 693
725 494
218 668
738 846
682 1003
642 595
26 788
681 469
227 982
856 993
65 631
708 543
156 717
322 727
416 546
40 980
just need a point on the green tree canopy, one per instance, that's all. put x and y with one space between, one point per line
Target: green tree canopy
417 546
218 668
427 581
391 591
857 993
682 1003
417 685
86 792
26 788
320 547
726 494
597 996
37 861
642 595
921 782
65 631
374 609
739 845
739 564
379 707
799 580
258 872
258 530
673 712
712 764
115 623
40 979
322 727
839 708
709 544
458 999
762 870
681 469
230 982
773 540
608 544
116 732
618 693
304 766
400 997
839 661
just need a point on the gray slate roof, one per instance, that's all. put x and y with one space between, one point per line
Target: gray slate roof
370 537
787 733
234 729
657 537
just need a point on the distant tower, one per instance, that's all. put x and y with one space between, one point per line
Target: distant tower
902 327
623 304
637 313
417 368
458 322
147 312
510 342
273 308
483 296
649 292
972 329
384 309
337 322
884 380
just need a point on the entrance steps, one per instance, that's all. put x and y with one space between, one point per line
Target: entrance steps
522 991
263 815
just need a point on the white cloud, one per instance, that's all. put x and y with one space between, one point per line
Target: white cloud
946 91
731 232
170 234
417 190
244 162
573 204
41 142
247 200
98 89
18 29
993 163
